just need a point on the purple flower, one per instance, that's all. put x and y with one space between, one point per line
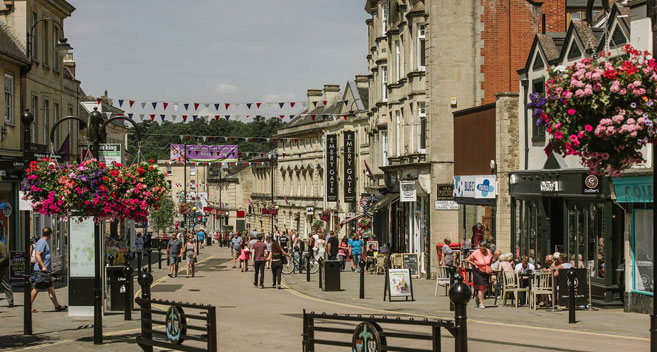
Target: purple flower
633 105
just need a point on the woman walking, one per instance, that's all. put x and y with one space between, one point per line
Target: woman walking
343 253
276 256
481 271
320 247
190 254
245 254
356 245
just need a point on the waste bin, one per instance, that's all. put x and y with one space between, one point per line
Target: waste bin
331 275
119 287
208 240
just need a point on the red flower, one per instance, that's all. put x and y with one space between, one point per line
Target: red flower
102 165
118 164
114 173
151 161
141 170
151 167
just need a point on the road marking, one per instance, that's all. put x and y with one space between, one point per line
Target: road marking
303 295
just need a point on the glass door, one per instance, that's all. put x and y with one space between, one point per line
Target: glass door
577 235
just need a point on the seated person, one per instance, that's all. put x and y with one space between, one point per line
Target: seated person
524 267
385 249
548 263
369 261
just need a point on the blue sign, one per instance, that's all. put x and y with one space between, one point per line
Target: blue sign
633 189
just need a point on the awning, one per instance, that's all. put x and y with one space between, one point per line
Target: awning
383 203
346 221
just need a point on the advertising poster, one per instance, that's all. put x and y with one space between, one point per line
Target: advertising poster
203 153
374 244
399 281
82 247
16 265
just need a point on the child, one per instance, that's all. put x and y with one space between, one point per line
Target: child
244 257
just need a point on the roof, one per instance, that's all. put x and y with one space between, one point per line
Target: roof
551 46
9 48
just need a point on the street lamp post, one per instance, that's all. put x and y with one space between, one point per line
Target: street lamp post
275 207
26 119
62 45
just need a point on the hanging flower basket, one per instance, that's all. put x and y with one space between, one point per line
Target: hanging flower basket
602 110
185 208
365 222
318 226
326 215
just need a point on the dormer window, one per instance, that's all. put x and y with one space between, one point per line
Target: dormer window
618 38
538 62
574 52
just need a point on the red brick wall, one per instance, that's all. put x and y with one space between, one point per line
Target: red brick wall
506 45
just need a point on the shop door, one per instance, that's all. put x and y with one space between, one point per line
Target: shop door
584 240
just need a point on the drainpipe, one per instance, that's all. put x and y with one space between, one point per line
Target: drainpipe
525 87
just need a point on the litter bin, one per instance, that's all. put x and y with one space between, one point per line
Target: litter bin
208 240
119 287
331 275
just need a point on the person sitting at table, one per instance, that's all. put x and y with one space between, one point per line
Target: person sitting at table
369 259
579 264
560 262
524 267
503 265
548 263
496 259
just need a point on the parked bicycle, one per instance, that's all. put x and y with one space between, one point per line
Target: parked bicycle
298 264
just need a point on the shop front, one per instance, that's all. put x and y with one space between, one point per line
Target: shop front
634 194
476 196
571 212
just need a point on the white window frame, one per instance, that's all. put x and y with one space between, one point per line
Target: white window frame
421 115
398 132
421 38
384 147
9 98
384 83
397 61
384 20
55 115
46 120
192 171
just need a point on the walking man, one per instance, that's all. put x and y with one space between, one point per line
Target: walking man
236 246
333 244
174 254
4 275
259 250
201 238
42 256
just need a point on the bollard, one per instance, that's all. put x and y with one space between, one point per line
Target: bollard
149 250
128 271
571 293
452 273
145 280
308 267
460 295
139 253
159 257
320 260
361 264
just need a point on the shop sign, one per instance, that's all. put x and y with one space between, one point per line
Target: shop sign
591 184
109 153
16 265
549 186
349 167
332 168
407 191
633 189
445 191
310 210
477 187
446 205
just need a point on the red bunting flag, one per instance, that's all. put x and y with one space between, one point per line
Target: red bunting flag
296 140
217 117
253 139
189 137
232 138
132 102
195 106
284 155
98 100
258 105
345 117
152 117
165 104
239 153
227 105
324 102
292 104
211 138
313 116
262 155
274 140
184 118
282 116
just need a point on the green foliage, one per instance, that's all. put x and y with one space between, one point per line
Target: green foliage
156 138
162 218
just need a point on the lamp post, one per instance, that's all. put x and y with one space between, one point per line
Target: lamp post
275 207
97 135
26 119
62 45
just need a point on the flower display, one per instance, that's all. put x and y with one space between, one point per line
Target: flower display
365 222
318 226
601 110
326 215
141 187
185 208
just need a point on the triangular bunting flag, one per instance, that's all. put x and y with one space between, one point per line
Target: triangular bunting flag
292 104
205 138
175 107
120 102
194 117
152 117
216 117
284 155
227 117
165 104
345 117
291 117
248 105
281 116
324 102
227 105
207 106
195 106
154 104
186 106
132 102
162 117
258 105
98 101
315 103
143 105
313 116
216 106
296 140
346 102
141 117
324 116
173 117
184 118
130 115
211 138
108 114
281 105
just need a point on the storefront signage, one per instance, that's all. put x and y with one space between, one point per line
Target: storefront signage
332 168
310 210
591 184
633 189
445 192
407 191
446 205
16 265
477 187
410 261
549 186
109 153
349 167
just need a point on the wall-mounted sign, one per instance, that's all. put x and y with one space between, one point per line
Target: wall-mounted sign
446 205
633 189
407 191
477 187
366 338
549 186
445 191
349 167
591 184
310 210
332 168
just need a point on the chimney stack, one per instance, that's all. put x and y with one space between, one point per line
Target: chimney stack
314 95
362 81
331 92
69 63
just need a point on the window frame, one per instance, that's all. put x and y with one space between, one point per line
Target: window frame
34 131
9 98
398 132
384 20
422 127
55 56
421 47
46 121
384 147
538 133
397 60
384 83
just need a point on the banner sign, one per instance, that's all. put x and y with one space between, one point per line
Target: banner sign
407 191
82 247
582 294
16 265
203 153
332 168
110 153
477 187
349 167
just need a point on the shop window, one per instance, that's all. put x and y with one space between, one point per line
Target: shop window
538 132
422 128
642 231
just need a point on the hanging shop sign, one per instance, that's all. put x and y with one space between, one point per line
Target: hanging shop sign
591 184
349 167
332 168
109 153
445 191
407 191
310 210
633 189
477 187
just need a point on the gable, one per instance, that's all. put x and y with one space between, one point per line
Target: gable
574 52
538 61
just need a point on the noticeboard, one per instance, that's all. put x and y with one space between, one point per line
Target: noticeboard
16 265
582 296
410 261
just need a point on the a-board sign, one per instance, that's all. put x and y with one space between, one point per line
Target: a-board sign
398 284
16 265
374 244
581 288
410 261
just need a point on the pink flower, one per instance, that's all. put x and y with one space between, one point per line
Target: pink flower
588 128
571 111
558 134
605 156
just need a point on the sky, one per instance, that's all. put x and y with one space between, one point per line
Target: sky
216 50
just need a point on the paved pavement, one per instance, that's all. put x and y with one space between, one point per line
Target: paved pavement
252 319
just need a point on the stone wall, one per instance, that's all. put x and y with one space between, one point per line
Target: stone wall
507 157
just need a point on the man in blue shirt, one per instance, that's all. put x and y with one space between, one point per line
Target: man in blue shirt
42 256
236 247
201 237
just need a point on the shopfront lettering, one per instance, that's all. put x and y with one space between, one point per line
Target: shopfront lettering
638 193
332 168
549 186
349 168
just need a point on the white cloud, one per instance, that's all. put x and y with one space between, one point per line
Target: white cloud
282 97
224 88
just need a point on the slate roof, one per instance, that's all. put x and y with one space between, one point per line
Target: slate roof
551 45
9 48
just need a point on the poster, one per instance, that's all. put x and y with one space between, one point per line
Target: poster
203 153
349 167
82 247
410 261
374 244
109 153
332 168
16 265
399 281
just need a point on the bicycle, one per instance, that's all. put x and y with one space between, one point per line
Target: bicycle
298 263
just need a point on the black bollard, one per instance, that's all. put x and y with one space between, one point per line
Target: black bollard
320 260
571 293
139 253
159 257
452 273
308 267
361 264
149 251
145 280
128 271
460 295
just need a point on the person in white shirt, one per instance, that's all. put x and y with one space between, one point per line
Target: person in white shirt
524 266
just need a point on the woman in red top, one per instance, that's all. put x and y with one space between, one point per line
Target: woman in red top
481 270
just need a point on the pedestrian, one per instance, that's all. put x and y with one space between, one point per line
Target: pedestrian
236 247
190 255
42 268
448 253
284 241
268 243
481 271
201 237
311 246
333 246
4 275
174 253
259 258
139 244
320 247
277 256
356 246
343 252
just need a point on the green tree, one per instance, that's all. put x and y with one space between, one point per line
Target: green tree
162 218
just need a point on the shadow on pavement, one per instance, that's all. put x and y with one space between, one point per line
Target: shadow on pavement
123 338
14 341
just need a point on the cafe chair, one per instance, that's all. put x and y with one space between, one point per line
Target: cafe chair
511 284
396 261
380 263
542 286
442 279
